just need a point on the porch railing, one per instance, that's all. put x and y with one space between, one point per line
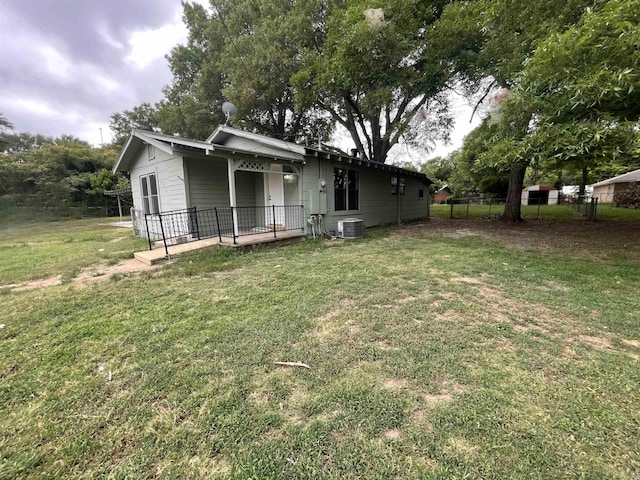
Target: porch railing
181 226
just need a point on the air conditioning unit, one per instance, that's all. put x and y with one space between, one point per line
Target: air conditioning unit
351 228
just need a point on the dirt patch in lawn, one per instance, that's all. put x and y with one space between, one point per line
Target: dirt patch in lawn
575 236
43 282
399 383
393 433
598 343
104 271
94 273
631 343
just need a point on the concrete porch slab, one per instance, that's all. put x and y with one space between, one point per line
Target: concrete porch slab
152 257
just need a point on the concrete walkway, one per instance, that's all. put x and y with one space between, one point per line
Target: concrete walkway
152 257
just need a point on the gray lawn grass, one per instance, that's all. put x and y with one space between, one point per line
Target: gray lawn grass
433 353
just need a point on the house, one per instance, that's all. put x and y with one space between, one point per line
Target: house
605 190
540 195
237 183
573 191
441 195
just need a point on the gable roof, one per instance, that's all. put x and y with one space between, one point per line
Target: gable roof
223 134
628 177
165 143
232 140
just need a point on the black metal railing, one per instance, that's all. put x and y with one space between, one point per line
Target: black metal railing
190 224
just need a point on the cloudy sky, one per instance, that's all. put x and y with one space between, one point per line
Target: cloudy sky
67 65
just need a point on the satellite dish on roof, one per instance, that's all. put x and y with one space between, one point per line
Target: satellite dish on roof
229 110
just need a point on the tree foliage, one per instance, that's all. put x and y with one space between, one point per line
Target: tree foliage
245 52
4 126
58 172
564 63
143 116
374 72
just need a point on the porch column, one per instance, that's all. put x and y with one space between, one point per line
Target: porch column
232 193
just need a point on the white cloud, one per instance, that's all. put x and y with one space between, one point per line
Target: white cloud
105 34
33 107
148 46
56 64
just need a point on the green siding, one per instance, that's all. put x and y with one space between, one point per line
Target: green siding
208 182
377 204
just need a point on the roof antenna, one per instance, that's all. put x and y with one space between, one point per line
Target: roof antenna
229 110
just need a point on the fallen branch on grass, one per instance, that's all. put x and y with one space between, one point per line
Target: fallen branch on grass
293 364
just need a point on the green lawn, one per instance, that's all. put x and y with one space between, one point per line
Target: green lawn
433 354
38 250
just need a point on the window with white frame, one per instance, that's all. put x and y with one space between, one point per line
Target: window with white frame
151 152
149 189
346 185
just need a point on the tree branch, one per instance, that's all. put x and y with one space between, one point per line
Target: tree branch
488 90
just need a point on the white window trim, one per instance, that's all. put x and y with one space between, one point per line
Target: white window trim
149 206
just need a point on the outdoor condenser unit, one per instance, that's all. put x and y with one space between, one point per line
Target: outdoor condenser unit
351 228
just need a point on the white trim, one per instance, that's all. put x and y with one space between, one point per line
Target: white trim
633 176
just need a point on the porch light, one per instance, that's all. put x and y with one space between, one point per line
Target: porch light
289 178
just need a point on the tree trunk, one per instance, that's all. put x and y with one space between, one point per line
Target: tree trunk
583 182
512 207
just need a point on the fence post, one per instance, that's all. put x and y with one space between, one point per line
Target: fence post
146 223
215 209
538 214
451 214
468 201
273 210
233 225
591 210
301 218
195 218
490 200
164 240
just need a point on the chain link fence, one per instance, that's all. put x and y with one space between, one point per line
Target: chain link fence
494 208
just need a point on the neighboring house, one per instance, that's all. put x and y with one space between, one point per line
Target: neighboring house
442 195
573 191
605 190
271 184
540 195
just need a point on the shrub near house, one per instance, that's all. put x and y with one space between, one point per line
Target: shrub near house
629 198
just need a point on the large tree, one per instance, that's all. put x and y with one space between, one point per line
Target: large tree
375 72
576 100
495 39
245 51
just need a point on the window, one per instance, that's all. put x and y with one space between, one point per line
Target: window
149 189
421 191
346 185
151 152
397 185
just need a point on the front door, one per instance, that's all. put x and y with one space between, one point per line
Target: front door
274 193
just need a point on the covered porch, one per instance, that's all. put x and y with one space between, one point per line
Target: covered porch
157 255
229 196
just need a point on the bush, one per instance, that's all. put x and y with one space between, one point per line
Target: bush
629 198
